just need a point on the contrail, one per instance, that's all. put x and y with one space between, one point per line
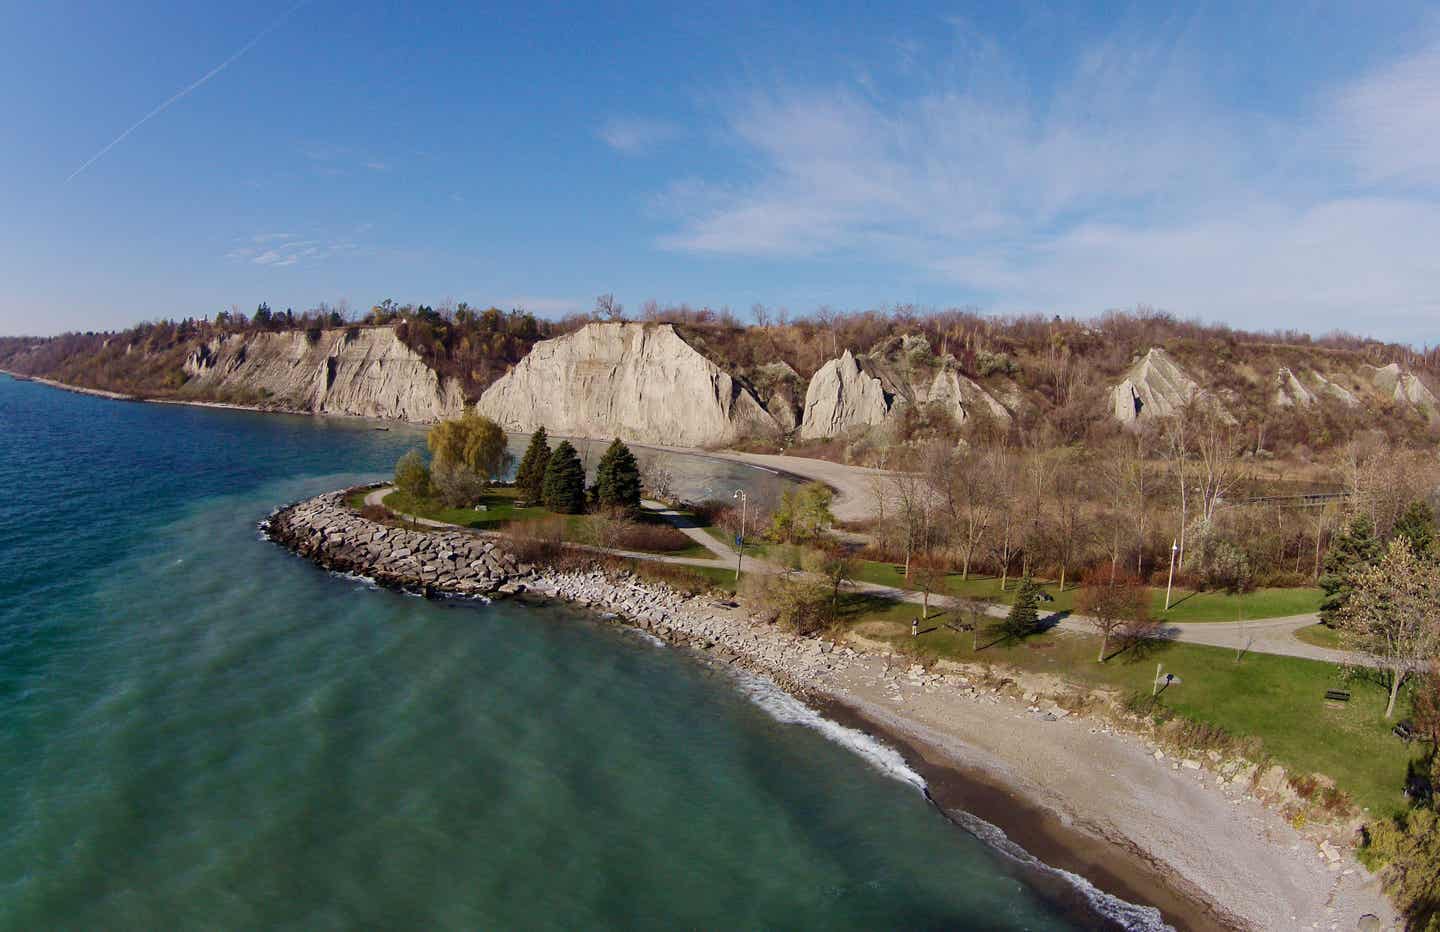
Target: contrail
186 91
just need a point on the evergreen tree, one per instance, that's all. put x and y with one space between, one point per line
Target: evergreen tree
564 486
1353 550
530 477
1024 617
1416 526
617 479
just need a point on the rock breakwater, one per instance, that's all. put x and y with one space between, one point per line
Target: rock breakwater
326 530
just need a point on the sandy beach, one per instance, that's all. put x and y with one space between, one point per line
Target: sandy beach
1085 798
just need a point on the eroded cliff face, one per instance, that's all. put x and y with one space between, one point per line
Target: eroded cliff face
359 371
847 394
1405 388
639 382
1157 387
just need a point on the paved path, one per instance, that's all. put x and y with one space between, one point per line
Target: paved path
1265 636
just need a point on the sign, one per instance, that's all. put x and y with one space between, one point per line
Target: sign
739 540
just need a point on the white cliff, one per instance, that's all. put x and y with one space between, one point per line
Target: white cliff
960 396
1155 387
365 371
1405 388
640 382
841 397
1290 391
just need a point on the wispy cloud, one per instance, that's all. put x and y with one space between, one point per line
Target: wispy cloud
280 250
376 166
636 135
1125 183
188 89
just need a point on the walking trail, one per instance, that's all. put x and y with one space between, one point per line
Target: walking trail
1265 636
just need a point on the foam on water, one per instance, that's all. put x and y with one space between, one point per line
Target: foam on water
784 707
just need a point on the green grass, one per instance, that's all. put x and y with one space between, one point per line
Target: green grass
1276 699
1185 605
754 547
1320 636
501 513
499 510
713 576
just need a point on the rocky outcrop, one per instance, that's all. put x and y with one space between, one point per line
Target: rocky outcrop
364 371
961 397
840 398
640 382
1291 390
849 393
1156 387
1405 388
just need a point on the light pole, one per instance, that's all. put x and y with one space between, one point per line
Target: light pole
1174 548
740 540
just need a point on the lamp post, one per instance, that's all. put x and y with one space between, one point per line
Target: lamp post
740 540
1174 548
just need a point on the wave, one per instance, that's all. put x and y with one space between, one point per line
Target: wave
785 708
1127 915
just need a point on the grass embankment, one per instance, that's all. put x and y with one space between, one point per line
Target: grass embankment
502 513
1321 636
1279 700
1185 604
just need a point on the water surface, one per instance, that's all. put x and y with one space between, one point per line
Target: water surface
201 730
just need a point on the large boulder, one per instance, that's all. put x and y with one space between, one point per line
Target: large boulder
841 397
641 382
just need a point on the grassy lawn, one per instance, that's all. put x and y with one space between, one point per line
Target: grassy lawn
713 576
1320 636
501 513
754 547
1184 604
1276 699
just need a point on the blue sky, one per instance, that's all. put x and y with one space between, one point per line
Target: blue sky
1275 167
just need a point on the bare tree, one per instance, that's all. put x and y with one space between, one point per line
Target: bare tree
972 500
1393 615
1071 490
1220 468
1112 604
607 308
1177 451
929 576
914 501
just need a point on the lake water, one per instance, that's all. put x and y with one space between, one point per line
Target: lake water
202 731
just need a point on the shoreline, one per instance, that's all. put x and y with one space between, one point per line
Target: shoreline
1100 805
958 790
841 479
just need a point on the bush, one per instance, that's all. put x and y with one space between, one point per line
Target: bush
1409 849
791 601
652 538
412 476
457 485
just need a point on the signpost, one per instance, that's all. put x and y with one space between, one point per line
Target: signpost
740 538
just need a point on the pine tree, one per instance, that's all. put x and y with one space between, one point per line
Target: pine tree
1353 550
1416 526
1024 617
530 477
617 479
564 486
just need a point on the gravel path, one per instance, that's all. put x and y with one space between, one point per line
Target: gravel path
1267 636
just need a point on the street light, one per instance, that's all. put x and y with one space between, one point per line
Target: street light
740 539
1174 548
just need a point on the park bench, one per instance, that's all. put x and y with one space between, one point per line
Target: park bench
1405 731
1337 695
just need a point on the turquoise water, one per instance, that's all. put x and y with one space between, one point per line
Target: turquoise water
200 730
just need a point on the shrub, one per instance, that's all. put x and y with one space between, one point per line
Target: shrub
457 484
1409 849
792 601
652 538
412 476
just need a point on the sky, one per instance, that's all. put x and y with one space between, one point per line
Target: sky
1270 166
